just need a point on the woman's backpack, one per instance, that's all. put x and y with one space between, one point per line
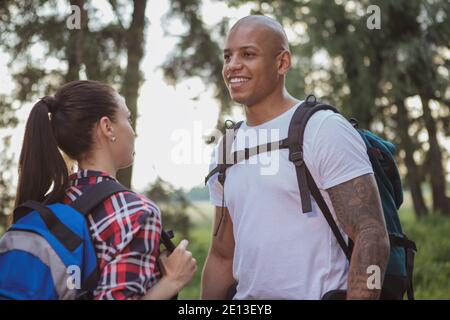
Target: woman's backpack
47 253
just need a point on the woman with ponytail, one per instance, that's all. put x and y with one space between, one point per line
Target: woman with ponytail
90 123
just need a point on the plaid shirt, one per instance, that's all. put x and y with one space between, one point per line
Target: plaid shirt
126 232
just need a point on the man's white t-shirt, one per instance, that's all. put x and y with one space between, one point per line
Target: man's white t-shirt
281 253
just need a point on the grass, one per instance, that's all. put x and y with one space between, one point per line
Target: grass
199 244
199 241
431 234
432 261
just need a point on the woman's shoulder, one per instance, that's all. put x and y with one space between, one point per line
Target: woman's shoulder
123 203
136 200
131 204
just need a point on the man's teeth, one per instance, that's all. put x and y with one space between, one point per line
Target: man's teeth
238 80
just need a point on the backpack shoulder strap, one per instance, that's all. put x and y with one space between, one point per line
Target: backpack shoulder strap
295 136
347 248
225 158
306 183
69 239
96 194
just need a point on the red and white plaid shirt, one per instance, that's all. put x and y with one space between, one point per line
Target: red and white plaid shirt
126 233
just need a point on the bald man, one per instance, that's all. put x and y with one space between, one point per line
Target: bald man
261 244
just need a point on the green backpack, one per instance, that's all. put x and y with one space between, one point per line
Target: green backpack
399 273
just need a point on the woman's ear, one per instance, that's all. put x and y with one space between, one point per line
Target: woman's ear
106 130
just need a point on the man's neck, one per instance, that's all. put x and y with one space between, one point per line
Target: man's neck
269 109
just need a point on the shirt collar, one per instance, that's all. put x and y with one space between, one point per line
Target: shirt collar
89 177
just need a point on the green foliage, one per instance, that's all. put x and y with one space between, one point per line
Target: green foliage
200 193
199 245
432 261
173 205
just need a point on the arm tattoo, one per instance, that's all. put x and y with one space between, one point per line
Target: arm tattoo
359 212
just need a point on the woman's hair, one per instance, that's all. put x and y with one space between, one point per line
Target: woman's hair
65 121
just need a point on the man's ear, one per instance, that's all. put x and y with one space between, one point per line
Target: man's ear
284 62
105 128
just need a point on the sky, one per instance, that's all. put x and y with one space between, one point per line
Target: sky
170 125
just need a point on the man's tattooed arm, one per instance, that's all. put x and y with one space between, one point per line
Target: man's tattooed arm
359 212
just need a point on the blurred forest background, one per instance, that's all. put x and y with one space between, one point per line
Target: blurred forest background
394 80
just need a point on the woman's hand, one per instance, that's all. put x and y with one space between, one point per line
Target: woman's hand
179 266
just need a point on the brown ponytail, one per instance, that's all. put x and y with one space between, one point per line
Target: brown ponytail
41 163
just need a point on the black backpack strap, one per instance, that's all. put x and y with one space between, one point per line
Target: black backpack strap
59 230
96 194
166 239
89 200
224 152
410 250
306 183
409 271
225 157
245 154
327 214
402 242
295 135
211 173
225 160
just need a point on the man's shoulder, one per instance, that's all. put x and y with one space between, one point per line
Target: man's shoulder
327 130
327 119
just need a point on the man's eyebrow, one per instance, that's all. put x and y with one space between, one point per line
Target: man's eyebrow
241 48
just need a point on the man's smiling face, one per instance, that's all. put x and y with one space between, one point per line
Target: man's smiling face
250 68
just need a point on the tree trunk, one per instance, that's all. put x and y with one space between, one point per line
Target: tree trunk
132 79
434 163
412 177
74 47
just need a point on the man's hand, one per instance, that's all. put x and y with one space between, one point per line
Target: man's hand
359 212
